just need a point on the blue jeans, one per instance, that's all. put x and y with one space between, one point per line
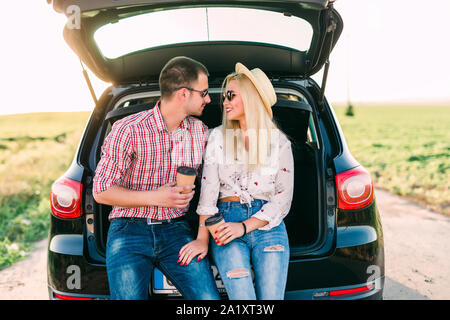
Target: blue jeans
266 251
134 248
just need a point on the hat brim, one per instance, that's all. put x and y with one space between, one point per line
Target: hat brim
240 68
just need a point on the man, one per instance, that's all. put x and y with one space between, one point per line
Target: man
136 176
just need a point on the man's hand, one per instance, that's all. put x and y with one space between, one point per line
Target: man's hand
170 196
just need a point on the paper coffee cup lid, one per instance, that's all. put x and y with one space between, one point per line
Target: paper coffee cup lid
189 171
214 219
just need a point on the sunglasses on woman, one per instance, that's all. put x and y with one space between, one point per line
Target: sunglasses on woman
229 95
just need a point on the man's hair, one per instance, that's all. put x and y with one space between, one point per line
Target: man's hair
179 72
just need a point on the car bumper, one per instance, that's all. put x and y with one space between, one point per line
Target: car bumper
364 291
69 272
358 261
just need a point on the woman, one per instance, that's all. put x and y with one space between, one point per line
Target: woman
249 167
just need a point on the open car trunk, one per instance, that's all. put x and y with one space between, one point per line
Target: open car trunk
283 37
294 118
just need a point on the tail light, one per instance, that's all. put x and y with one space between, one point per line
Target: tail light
354 189
64 297
65 198
343 292
351 291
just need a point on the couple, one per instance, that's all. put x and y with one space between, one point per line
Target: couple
136 175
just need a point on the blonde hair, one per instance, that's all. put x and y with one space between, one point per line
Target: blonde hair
260 127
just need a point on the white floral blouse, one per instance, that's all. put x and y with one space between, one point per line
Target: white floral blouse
273 183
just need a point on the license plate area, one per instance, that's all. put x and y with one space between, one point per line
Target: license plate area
162 285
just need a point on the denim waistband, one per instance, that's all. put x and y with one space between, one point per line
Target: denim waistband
154 221
232 204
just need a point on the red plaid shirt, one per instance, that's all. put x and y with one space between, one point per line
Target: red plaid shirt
140 154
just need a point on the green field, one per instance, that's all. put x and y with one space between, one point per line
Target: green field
406 150
35 149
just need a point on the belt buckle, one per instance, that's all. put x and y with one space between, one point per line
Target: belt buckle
149 221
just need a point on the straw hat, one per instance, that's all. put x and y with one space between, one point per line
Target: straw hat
262 85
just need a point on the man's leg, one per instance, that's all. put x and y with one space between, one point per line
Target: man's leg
194 281
128 264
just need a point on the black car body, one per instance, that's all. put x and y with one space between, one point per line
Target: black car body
334 227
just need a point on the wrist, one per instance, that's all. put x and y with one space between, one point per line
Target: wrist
203 234
245 228
203 239
151 198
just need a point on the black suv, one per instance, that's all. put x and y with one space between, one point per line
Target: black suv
334 227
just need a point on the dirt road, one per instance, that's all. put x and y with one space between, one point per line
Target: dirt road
417 249
417 246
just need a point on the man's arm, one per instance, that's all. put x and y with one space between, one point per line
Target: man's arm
165 196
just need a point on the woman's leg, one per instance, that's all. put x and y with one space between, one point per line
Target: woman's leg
270 258
233 262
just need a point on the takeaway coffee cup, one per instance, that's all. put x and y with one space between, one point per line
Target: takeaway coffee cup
186 176
213 222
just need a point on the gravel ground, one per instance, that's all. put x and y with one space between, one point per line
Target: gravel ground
26 279
417 252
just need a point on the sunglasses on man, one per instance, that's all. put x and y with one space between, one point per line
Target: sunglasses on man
203 93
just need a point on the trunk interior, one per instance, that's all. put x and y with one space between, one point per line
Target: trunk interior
293 116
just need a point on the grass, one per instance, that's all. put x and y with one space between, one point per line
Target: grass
405 148
35 149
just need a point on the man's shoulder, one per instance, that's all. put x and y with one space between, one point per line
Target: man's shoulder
197 124
134 119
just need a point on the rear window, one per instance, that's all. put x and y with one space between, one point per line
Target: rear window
189 25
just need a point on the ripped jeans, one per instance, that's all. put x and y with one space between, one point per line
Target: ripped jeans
266 251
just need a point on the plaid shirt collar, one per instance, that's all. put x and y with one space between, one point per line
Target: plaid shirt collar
161 125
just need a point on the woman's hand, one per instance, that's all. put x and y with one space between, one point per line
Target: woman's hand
228 231
191 249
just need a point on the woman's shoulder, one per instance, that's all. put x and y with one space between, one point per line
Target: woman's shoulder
215 132
283 139
217 129
215 135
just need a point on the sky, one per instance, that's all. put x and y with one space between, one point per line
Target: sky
389 52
